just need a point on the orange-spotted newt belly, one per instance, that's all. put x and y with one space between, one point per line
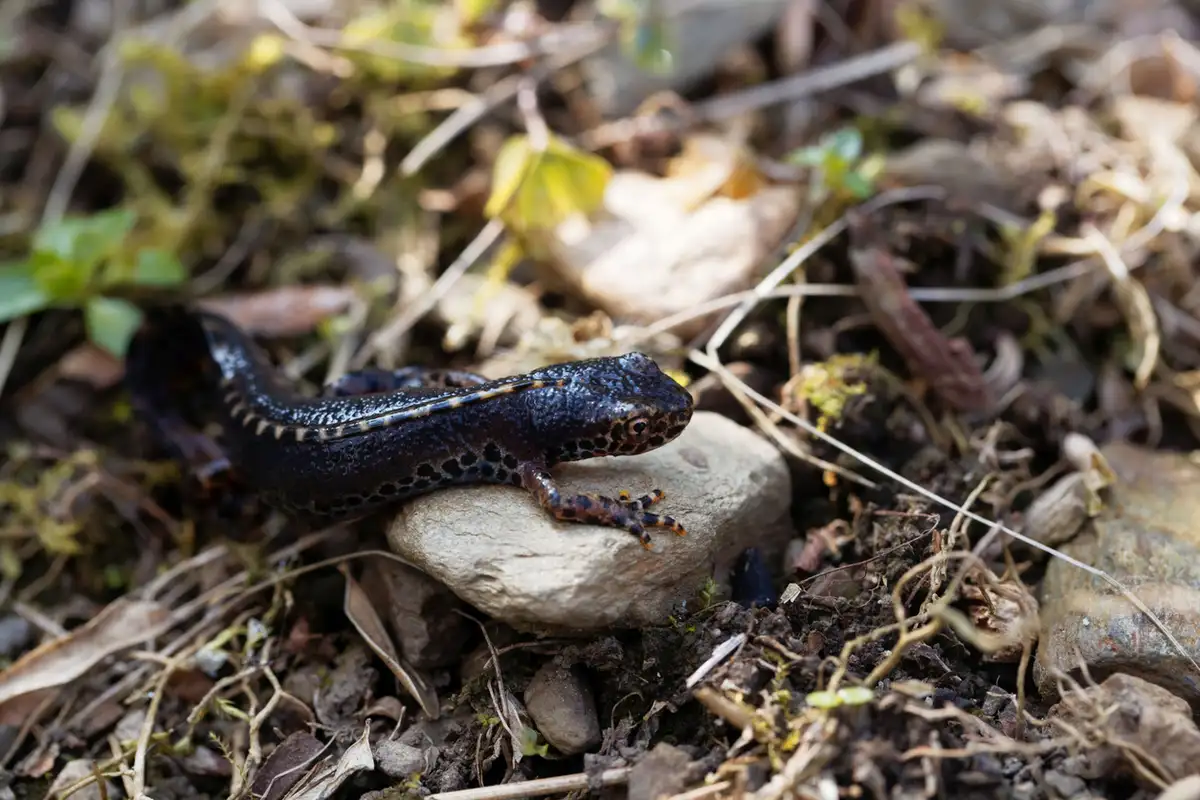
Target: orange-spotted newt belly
377 438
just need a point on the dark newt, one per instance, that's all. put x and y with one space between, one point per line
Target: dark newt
377 438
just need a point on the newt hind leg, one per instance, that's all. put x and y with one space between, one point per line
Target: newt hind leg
620 512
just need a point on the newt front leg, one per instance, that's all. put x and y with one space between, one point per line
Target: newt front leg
597 509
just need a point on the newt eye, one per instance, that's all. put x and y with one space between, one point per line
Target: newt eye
637 426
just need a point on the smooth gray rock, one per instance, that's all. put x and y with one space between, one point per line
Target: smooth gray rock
662 772
399 761
498 550
561 706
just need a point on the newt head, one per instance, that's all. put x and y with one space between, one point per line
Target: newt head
608 407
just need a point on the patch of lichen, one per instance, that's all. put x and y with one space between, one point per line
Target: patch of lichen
179 135
199 149
62 508
829 385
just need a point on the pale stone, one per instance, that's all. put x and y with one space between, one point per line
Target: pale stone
498 550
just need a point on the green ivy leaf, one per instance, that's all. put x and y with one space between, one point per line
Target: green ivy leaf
85 241
858 185
807 157
111 323
846 143
823 699
63 280
20 293
855 695
156 267
530 745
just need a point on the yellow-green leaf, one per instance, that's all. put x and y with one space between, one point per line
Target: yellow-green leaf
20 293
58 537
10 562
158 267
512 163
855 695
823 699
111 323
534 190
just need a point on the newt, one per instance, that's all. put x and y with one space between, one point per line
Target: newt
376 438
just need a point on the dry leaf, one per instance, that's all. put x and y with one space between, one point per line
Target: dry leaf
366 621
286 311
389 707
286 765
357 758
92 365
123 623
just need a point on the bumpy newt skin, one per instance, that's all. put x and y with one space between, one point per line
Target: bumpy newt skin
378 438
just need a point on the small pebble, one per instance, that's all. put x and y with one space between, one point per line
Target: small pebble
1131 715
560 704
399 761
1063 785
662 772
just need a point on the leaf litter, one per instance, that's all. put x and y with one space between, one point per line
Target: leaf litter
1049 229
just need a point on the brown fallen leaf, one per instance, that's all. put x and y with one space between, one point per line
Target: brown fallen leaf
324 783
389 707
91 365
122 624
21 709
288 311
286 765
274 313
947 365
366 621
1007 611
